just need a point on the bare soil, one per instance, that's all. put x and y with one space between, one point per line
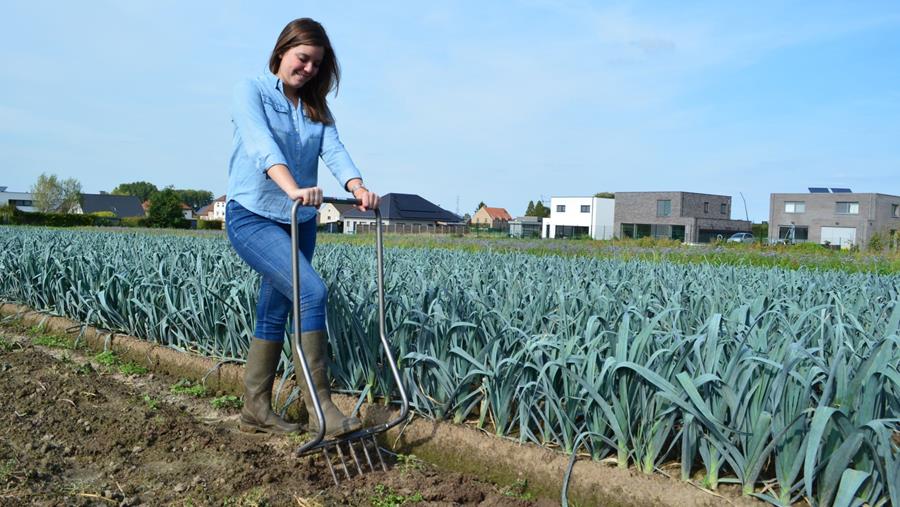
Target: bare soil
74 431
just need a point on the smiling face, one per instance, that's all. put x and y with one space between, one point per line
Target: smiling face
299 64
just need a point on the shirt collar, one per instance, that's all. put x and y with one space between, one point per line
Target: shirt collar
273 81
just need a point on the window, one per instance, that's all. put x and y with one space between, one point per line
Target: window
795 207
663 207
569 231
723 208
706 207
585 208
800 233
560 208
628 230
895 210
847 208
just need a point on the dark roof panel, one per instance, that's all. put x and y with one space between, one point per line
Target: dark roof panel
407 207
122 205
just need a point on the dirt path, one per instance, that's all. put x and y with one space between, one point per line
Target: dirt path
75 430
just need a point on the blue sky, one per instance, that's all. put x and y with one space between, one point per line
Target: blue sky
500 102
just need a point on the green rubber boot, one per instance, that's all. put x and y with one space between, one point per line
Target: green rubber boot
259 376
315 347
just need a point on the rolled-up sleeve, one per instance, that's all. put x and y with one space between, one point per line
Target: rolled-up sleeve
336 157
249 119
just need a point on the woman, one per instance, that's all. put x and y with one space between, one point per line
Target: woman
282 125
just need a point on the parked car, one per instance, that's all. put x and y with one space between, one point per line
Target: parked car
741 237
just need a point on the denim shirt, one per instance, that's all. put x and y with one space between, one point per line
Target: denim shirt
269 130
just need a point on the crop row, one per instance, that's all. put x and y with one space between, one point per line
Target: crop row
783 381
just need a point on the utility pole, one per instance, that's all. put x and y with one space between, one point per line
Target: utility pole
746 215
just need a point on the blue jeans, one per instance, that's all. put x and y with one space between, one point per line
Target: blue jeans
266 246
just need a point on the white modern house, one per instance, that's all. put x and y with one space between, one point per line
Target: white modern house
21 200
580 216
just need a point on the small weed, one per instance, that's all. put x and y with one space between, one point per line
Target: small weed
85 369
54 341
184 386
132 368
35 330
384 496
227 401
5 346
150 402
299 437
107 358
255 497
14 323
518 489
6 469
409 462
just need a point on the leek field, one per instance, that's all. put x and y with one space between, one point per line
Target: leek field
784 382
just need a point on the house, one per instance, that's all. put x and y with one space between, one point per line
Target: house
834 216
525 227
330 213
572 217
494 218
187 212
21 200
121 206
214 210
404 213
331 216
684 216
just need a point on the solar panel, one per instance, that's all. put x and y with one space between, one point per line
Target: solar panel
818 190
841 191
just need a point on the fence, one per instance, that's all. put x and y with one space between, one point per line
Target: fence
414 228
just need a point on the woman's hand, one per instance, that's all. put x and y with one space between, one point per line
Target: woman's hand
309 196
369 200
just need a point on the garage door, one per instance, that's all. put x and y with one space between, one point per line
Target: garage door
844 236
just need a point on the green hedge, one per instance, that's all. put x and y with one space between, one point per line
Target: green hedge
57 219
210 224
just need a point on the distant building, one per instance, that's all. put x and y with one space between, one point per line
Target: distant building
525 227
330 213
403 213
572 217
21 200
683 216
495 218
187 212
122 206
213 211
834 218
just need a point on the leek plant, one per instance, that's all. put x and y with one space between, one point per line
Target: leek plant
786 382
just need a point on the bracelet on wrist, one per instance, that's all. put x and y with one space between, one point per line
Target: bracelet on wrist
356 187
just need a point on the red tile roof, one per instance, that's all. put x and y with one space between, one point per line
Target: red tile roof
498 213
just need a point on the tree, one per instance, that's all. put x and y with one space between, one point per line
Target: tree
605 195
50 195
165 209
195 198
540 210
480 205
529 211
143 190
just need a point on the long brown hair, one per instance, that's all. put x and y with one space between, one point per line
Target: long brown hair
305 31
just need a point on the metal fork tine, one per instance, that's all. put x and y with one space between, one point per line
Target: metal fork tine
365 449
378 451
355 459
343 462
330 466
